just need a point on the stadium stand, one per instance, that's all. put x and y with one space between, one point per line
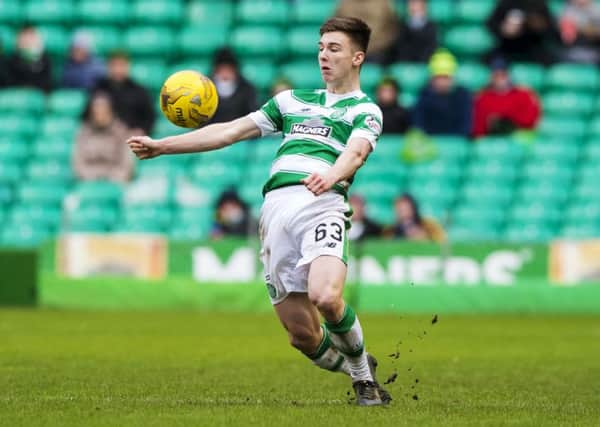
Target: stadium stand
533 189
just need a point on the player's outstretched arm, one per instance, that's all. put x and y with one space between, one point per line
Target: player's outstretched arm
345 166
211 137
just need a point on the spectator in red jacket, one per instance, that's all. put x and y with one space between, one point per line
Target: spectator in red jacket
501 107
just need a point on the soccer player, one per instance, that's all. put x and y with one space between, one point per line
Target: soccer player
327 136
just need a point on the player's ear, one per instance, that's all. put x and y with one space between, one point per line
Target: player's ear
359 58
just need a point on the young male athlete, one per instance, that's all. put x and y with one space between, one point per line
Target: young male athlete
327 136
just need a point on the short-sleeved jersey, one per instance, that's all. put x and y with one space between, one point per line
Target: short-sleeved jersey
316 126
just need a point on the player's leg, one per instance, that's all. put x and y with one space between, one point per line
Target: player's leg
301 320
326 279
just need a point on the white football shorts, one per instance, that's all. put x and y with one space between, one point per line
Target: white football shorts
295 228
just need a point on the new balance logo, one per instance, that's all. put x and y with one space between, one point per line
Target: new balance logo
311 130
331 245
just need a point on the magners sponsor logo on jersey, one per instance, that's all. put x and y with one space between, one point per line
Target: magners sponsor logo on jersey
312 127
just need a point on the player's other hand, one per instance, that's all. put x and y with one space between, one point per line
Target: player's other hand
318 183
144 147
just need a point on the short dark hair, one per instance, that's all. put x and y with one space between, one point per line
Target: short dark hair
358 31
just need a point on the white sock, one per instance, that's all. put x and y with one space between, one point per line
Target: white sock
328 357
347 336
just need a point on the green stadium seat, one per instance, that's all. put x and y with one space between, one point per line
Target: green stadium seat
10 12
14 150
260 73
303 74
163 128
103 12
98 193
148 214
22 100
451 148
468 40
60 127
562 127
49 11
438 169
263 11
412 77
382 213
408 99
465 214
584 211
474 11
258 41
40 215
486 192
216 173
588 172
151 73
530 75
303 41
158 12
7 37
312 11
263 150
580 230
554 149
502 148
378 191
591 151
201 41
586 191
10 171
594 129
534 211
210 12
370 76
472 75
433 191
99 218
493 168
6 192
105 39
57 149
569 103
474 232
67 102
189 232
155 40
441 11
555 172
573 77
56 39
42 169
528 232
18 125
532 191
41 192
23 235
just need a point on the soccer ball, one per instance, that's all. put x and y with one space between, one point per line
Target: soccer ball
188 99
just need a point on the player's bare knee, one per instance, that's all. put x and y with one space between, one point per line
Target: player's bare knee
328 303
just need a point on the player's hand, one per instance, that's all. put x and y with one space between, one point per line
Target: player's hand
318 183
144 147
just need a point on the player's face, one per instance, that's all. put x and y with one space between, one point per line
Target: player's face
338 57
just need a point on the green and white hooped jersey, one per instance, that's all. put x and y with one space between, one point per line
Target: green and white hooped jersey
316 126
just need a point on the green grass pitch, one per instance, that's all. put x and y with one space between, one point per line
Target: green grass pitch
199 369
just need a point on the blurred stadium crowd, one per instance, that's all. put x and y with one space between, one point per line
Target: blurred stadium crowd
490 128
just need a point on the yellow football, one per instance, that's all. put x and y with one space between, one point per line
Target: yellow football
188 99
